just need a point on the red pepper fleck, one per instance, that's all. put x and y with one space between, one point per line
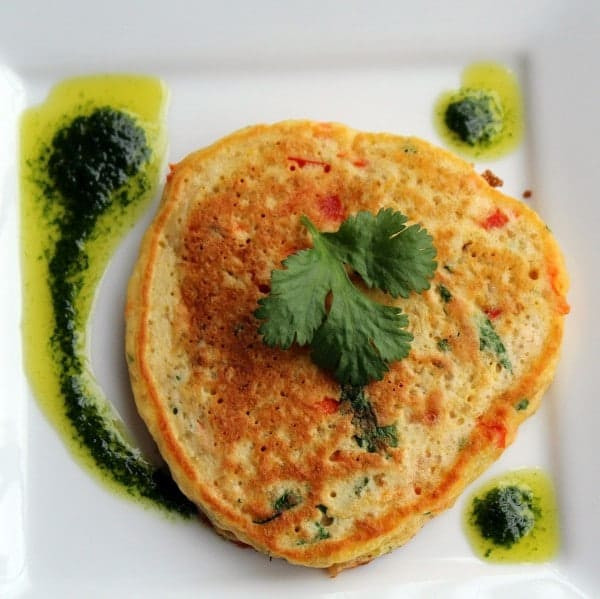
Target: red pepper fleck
495 220
361 162
302 162
328 405
493 312
331 207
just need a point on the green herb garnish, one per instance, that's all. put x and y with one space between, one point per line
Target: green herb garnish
286 501
322 532
443 345
522 404
444 293
356 338
369 435
361 485
489 340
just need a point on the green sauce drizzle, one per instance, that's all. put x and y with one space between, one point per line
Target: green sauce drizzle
90 164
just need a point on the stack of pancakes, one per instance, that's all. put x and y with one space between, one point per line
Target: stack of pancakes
257 437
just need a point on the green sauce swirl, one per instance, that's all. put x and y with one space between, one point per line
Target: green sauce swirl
90 161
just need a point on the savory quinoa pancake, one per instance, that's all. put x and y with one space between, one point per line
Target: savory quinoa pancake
271 447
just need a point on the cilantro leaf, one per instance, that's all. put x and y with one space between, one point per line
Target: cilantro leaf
295 307
357 337
385 252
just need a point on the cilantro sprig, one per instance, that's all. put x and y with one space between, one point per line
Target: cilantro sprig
353 336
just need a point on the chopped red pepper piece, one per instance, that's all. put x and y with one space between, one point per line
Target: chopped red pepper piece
331 207
328 405
495 220
493 312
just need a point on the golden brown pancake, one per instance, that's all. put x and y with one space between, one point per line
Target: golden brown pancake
261 439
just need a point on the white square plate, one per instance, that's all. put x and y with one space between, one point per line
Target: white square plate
375 66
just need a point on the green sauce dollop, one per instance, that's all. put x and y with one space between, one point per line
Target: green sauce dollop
476 117
484 118
94 155
514 518
505 514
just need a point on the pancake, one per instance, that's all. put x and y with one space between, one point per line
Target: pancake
266 443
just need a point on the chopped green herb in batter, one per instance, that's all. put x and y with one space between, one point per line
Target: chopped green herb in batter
360 486
322 532
286 501
489 340
523 404
443 345
369 434
444 293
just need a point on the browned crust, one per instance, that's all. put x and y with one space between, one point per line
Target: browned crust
372 536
